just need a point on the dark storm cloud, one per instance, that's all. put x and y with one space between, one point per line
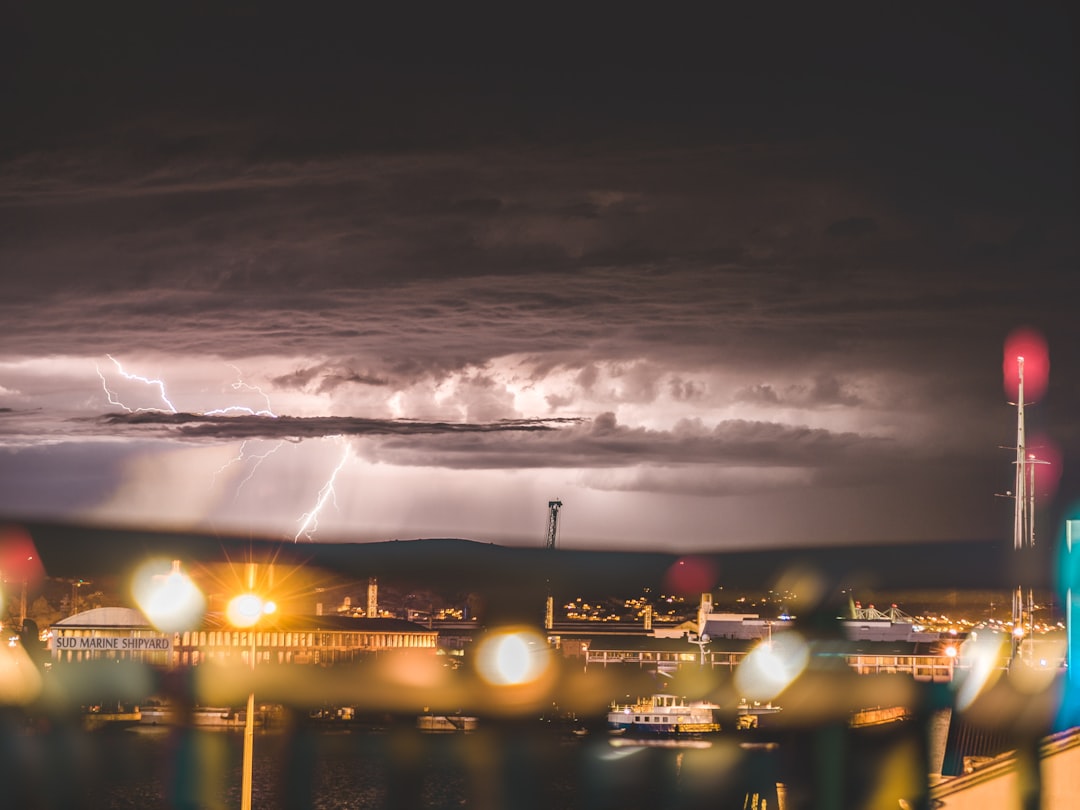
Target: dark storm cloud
823 392
852 227
555 442
820 211
203 426
329 378
603 443
686 237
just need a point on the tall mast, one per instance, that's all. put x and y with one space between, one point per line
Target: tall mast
1020 492
1023 518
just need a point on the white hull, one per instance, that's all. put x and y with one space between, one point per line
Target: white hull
445 723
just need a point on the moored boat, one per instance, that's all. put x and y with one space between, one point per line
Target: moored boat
665 715
668 715
111 717
445 722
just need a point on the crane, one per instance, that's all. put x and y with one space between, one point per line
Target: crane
553 522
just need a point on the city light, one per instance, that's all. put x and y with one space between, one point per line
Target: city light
244 611
247 608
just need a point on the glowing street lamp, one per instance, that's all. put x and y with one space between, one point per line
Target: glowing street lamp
244 611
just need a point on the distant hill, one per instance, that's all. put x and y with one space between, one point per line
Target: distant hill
68 550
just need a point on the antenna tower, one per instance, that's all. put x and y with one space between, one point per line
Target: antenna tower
1023 605
553 522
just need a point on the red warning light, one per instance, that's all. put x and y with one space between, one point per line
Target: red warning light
1031 347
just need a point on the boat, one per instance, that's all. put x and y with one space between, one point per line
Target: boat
160 713
445 723
665 715
668 715
751 714
227 717
109 717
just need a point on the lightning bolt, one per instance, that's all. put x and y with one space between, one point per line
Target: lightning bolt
242 456
114 400
310 520
240 385
258 462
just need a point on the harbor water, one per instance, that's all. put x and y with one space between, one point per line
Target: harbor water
169 767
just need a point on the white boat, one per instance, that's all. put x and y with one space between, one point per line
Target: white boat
668 715
665 715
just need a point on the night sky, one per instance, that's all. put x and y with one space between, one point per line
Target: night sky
732 282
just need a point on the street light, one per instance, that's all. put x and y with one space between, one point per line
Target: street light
244 611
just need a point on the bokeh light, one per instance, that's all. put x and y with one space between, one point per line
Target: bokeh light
513 657
247 608
1030 345
1048 466
19 561
167 596
772 666
20 680
980 660
690 576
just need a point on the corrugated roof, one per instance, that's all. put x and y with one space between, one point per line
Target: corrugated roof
105 617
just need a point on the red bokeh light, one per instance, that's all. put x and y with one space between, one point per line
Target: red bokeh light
1030 345
690 576
1047 475
19 561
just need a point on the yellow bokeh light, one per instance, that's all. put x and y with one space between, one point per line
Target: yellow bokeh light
513 657
772 666
168 597
980 655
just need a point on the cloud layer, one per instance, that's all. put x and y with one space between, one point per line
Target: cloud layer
734 295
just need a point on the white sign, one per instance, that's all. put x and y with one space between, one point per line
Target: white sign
118 643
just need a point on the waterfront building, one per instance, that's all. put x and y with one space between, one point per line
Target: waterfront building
923 662
125 634
118 633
